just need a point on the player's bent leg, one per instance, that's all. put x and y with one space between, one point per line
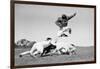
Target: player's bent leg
32 52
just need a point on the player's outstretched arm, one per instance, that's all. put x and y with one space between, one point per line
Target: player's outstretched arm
71 16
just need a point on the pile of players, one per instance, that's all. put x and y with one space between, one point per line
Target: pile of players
50 47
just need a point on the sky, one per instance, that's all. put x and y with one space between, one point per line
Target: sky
36 22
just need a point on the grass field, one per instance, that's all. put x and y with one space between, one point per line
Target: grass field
83 54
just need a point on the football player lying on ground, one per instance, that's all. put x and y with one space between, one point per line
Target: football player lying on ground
65 48
71 50
59 48
38 48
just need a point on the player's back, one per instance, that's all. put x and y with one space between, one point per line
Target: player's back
42 44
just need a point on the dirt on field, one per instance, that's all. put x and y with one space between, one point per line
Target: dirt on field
83 54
